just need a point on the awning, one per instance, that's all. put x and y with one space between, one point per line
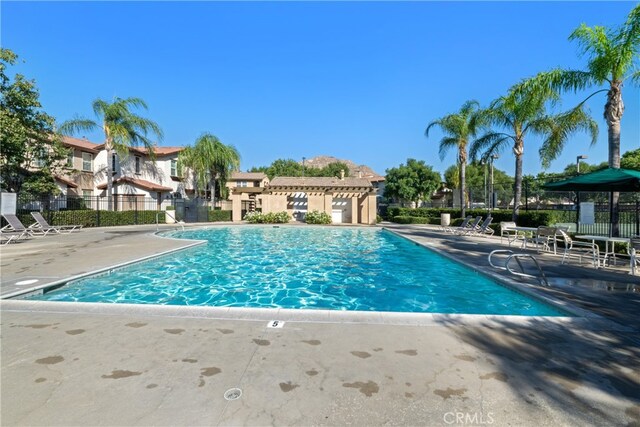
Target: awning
606 180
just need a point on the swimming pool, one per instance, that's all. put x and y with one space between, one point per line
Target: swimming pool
336 268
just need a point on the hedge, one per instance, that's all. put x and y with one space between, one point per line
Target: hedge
316 217
525 218
406 219
91 218
215 216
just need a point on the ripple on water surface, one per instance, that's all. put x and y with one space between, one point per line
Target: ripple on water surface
304 267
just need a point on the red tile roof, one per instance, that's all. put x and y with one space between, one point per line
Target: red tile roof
146 185
66 181
159 151
82 144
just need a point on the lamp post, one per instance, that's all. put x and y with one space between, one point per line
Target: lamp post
580 157
483 163
492 193
303 159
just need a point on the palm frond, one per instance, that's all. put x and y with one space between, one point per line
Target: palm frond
488 144
77 125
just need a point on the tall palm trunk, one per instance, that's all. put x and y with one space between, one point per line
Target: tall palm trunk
613 110
109 148
462 159
213 193
518 151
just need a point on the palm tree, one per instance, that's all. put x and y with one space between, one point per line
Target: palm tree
458 128
524 112
613 59
122 129
210 160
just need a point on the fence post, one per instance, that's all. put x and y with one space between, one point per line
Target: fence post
577 211
97 212
637 217
135 215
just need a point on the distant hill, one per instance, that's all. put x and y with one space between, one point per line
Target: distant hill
322 161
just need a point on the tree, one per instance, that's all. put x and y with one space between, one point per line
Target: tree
122 129
289 167
523 112
412 182
612 60
631 160
30 149
458 128
210 160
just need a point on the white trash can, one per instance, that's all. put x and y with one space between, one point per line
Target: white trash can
445 219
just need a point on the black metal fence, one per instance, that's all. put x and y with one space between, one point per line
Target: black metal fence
95 211
564 204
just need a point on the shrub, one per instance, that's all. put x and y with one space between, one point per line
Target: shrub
378 219
170 208
268 218
405 219
316 217
219 215
91 218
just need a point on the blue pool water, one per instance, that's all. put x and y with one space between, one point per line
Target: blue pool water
304 267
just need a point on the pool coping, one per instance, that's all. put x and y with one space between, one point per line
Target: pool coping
584 318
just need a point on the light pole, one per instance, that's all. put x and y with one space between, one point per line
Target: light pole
483 163
303 159
491 196
580 157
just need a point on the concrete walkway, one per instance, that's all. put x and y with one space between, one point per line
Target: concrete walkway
74 364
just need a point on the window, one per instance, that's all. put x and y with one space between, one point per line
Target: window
86 195
41 158
137 165
70 158
174 168
87 162
114 163
243 184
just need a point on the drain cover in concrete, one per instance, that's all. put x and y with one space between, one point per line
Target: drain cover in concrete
233 394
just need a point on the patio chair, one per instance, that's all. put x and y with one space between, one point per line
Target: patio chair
578 247
634 250
472 227
506 230
545 236
14 224
42 223
465 224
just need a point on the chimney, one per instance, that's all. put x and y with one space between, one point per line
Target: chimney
359 174
341 174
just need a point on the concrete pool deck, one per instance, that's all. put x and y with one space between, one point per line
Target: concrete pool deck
76 364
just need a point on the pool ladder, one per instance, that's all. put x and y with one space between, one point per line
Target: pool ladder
542 279
180 223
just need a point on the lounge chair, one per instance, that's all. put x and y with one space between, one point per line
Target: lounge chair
42 223
634 250
578 247
14 224
7 237
471 228
465 224
484 229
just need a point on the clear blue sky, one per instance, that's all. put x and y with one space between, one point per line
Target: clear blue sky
354 80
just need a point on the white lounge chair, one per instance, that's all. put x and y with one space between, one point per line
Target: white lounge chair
14 224
42 223
471 228
634 250
484 229
7 237
465 224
